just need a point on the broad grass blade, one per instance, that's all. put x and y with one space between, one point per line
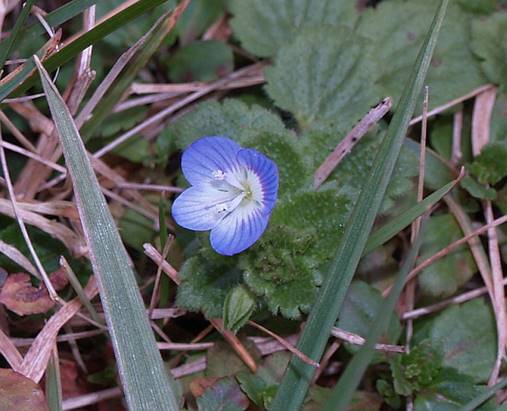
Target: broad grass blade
294 386
486 395
400 222
146 382
344 390
53 383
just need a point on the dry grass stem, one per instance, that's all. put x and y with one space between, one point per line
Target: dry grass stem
150 187
156 286
184 347
16 133
15 255
457 127
10 352
358 340
452 103
288 346
350 140
163 114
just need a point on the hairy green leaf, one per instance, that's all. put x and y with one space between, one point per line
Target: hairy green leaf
490 166
320 78
265 26
225 395
238 307
396 41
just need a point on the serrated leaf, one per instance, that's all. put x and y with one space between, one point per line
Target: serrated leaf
360 307
205 282
478 190
490 166
225 395
238 307
320 78
231 118
279 269
466 337
200 61
397 40
443 278
489 43
416 370
264 26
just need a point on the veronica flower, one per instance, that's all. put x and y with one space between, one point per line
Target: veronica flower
233 191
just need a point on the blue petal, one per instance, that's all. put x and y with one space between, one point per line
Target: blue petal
207 155
195 208
266 170
238 230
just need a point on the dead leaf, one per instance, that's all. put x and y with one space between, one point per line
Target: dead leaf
20 296
199 385
20 393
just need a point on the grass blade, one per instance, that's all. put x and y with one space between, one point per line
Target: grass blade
474 404
145 381
26 78
54 19
157 34
54 383
400 222
344 390
294 386
9 42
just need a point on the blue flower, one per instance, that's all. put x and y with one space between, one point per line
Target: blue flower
233 192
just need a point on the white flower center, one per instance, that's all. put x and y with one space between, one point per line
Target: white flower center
242 188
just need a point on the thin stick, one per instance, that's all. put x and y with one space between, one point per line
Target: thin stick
42 272
161 115
150 187
430 309
456 153
350 140
443 107
303 357
358 340
235 343
154 294
16 133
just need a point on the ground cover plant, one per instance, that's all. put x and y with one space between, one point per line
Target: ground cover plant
253 205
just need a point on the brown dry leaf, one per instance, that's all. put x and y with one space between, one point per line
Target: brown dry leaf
20 296
20 393
72 385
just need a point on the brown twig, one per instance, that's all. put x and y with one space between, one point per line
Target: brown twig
350 140
358 340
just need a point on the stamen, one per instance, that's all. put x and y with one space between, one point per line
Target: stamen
218 175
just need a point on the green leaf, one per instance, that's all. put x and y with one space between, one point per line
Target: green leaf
225 395
490 166
294 386
442 278
124 120
466 337
349 175
200 61
416 370
478 6
198 17
53 383
231 118
489 43
238 307
498 129
477 401
392 227
265 26
396 41
441 137
205 282
222 360
478 190
450 393
142 372
359 310
320 78
135 229
135 149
